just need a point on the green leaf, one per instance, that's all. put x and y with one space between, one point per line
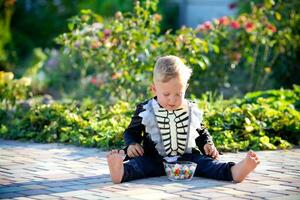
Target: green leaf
202 65
277 16
70 26
216 48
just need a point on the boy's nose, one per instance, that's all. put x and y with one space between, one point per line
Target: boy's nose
172 100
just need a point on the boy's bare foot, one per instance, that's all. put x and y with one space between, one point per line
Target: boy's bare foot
115 163
244 167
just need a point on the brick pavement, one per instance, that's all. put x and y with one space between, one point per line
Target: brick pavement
56 171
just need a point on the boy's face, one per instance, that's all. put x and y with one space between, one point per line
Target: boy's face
170 95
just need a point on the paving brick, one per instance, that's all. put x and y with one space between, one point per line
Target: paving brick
234 192
10 195
48 197
292 197
11 189
34 187
34 192
230 198
189 195
58 189
268 195
22 198
154 196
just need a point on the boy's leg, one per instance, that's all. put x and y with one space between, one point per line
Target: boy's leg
137 168
210 168
244 167
142 167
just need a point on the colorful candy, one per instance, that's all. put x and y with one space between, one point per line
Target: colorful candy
181 170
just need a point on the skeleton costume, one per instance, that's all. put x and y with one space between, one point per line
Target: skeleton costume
169 135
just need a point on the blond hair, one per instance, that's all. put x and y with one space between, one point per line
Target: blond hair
169 67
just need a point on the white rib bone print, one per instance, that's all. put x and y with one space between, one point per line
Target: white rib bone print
173 127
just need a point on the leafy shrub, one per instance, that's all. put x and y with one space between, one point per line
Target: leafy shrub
12 89
261 120
83 124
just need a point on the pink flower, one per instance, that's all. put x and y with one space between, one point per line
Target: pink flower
249 27
107 33
94 81
205 26
235 25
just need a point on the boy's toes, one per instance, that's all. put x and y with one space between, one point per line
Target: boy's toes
257 161
108 154
248 155
122 152
114 151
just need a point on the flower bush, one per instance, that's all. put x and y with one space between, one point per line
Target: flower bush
113 58
117 56
252 47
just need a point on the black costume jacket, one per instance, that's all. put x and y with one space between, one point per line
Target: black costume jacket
135 133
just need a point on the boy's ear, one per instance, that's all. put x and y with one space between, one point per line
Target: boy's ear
153 89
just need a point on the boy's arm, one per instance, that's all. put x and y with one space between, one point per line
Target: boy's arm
204 138
133 133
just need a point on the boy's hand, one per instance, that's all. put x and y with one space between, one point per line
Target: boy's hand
135 150
210 150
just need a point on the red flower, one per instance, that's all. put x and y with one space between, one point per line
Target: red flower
224 21
271 28
249 26
235 25
207 25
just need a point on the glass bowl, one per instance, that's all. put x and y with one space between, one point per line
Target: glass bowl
180 170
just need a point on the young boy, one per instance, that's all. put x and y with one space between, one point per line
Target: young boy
168 128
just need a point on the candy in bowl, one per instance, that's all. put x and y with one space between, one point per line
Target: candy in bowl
180 170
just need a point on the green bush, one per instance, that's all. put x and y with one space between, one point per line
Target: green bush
13 90
85 124
264 120
259 121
